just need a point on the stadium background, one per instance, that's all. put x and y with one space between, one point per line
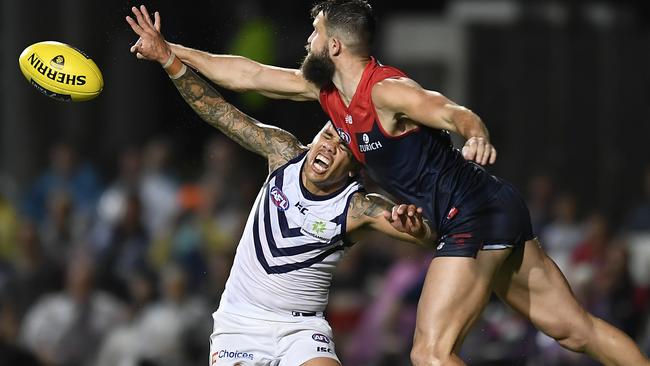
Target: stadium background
131 201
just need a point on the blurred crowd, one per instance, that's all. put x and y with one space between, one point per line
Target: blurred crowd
125 269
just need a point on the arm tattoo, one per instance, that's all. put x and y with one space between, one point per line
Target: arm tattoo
371 205
277 145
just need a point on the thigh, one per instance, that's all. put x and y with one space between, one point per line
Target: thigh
241 341
454 293
307 343
322 361
531 283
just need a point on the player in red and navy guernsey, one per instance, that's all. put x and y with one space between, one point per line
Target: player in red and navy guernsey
400 132
410 165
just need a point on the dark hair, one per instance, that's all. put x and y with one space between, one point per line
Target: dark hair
352 20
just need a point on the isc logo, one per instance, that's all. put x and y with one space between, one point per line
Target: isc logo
279 199
324 349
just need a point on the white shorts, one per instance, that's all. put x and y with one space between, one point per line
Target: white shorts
242 341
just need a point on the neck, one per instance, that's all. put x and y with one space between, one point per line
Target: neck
320 189
348 75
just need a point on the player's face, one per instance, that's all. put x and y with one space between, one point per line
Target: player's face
317 40
318 66
329 162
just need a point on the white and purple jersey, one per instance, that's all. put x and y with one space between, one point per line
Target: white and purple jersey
291 245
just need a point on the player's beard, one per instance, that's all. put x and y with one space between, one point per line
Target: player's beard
318 68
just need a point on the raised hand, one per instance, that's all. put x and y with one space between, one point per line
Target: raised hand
151 45
479 150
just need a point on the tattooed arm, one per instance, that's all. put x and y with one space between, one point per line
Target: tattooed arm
375 212
277 145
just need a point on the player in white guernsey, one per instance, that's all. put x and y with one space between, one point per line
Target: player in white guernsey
309 211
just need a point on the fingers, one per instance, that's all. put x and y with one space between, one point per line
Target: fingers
138 16
388 215
142 18
406 218
157 21
479 150
135 46
408 210
489 155
493 156
469 149
136 28
145 15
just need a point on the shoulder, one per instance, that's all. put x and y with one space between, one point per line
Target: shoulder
389 90
291 153
391 86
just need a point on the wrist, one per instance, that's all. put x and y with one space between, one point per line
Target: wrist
169 61
431 237
174 66
427 231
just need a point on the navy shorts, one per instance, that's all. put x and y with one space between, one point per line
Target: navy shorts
500 221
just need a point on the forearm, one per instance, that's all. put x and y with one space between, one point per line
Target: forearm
230 72
467 123
369 211
425 237
268 141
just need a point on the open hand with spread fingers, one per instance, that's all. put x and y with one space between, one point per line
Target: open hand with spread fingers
151 45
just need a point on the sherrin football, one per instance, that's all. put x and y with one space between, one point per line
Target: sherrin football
61 71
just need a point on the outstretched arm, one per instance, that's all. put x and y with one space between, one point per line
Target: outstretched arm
243 74
376 212
400 98
231 72
277 145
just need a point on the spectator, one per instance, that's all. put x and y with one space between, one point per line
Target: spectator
61 230
66 328
177 326
34 273
564 231
12 353
157 187
124 250
68 174
123 345
540 193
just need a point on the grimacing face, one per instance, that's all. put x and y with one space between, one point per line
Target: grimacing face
329 162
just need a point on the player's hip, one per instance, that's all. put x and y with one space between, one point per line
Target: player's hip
501 221
250 341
